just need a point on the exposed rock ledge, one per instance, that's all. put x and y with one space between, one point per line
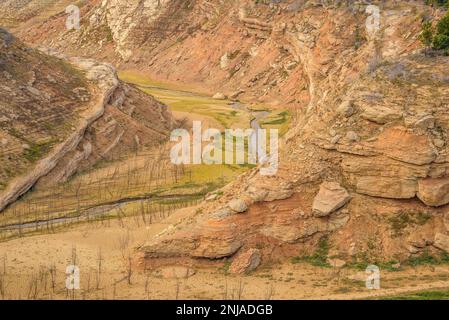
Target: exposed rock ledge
107 81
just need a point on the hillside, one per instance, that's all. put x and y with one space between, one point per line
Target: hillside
364 165
59 117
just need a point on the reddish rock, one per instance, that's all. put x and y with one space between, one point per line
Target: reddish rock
331 197
400 144
434 192
245 262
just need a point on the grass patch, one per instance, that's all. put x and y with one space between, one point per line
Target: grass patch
225 267
279 120
388 265
404 219
319 258
423 295
427 259
37 150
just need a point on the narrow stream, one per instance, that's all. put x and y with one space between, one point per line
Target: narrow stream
104 209
258 115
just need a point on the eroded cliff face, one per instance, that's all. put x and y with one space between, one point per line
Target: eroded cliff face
61 115
371 123
375 125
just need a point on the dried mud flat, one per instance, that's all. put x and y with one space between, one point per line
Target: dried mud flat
34 267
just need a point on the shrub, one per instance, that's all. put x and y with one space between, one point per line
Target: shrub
441 38
438 37
441 3
426 35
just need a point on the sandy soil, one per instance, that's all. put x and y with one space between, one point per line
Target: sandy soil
27 264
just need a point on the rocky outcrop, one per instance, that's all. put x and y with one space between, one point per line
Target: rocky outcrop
380 114
107 81
434 192
68 156
441 242
330 198
372 118
245 262
371 114
238 205
401 144
219 96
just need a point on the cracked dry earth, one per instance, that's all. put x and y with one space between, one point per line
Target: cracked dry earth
364 167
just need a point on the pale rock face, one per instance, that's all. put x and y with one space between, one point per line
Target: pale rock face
352 136
123 16
386 187
400 144
330 198
224 61
219 96
434 192
245 262
441 242
380 114
238 205
256 194
346 109
426 122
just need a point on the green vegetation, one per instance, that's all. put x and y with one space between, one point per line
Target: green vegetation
389 265
440 3
423 295
218 112
427 259
319 258
436 37
404 219
226 266
277 120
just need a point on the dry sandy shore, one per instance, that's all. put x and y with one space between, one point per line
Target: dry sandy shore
34 267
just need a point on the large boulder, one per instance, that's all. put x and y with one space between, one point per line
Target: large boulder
383 177
380 114
216 238
219 96
441 242
238 205
245 262
386 187
434 192
400 144
330 198
346 109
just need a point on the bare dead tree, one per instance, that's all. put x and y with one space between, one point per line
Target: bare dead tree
52 272
225 291
129 270
99 264
147 287
240 289
142 212
2 286
270 292
33 288
178 288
